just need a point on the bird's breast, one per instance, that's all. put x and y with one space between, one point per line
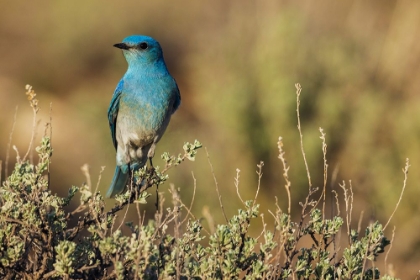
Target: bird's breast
144 113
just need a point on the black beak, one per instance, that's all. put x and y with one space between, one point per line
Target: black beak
122 46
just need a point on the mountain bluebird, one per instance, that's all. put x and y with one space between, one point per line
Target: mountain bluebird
141 107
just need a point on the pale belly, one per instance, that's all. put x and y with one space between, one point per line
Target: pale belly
139 128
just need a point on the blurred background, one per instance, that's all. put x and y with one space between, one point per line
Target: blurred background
236 63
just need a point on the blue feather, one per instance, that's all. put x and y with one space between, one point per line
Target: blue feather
140 108
113 111
119 181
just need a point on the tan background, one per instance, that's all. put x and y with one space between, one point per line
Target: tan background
236 63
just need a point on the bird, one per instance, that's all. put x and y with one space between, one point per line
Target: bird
141 107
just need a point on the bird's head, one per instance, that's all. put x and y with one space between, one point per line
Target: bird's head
140 49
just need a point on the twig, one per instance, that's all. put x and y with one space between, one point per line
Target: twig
217 186
172 215
99 178
325 165
192 200
285 175
176 200
192 215
50 126
324 152
237 185
264 227
49 274
6 165
332 184
18 158
346 201
336 202
389 250
333 214
87 267
128 206
259 172
158 218
157 197
298 91
405 170
31 152
351 200
34 104
366 254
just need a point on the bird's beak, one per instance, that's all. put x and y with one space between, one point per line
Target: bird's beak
122 46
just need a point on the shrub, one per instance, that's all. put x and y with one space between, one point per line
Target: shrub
40 238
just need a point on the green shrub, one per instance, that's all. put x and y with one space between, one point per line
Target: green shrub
41 238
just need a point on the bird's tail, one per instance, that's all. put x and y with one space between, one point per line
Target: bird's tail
118 182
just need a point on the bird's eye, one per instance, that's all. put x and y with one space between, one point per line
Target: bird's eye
143 45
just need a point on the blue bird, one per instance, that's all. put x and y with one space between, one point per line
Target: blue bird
141 107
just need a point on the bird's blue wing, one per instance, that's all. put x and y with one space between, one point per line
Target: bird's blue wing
113 111
177 101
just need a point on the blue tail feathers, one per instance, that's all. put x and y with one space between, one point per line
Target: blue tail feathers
119 182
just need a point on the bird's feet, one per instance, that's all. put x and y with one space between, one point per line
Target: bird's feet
151 168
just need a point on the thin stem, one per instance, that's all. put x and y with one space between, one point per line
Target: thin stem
298 91
217 186
405 170
6 165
